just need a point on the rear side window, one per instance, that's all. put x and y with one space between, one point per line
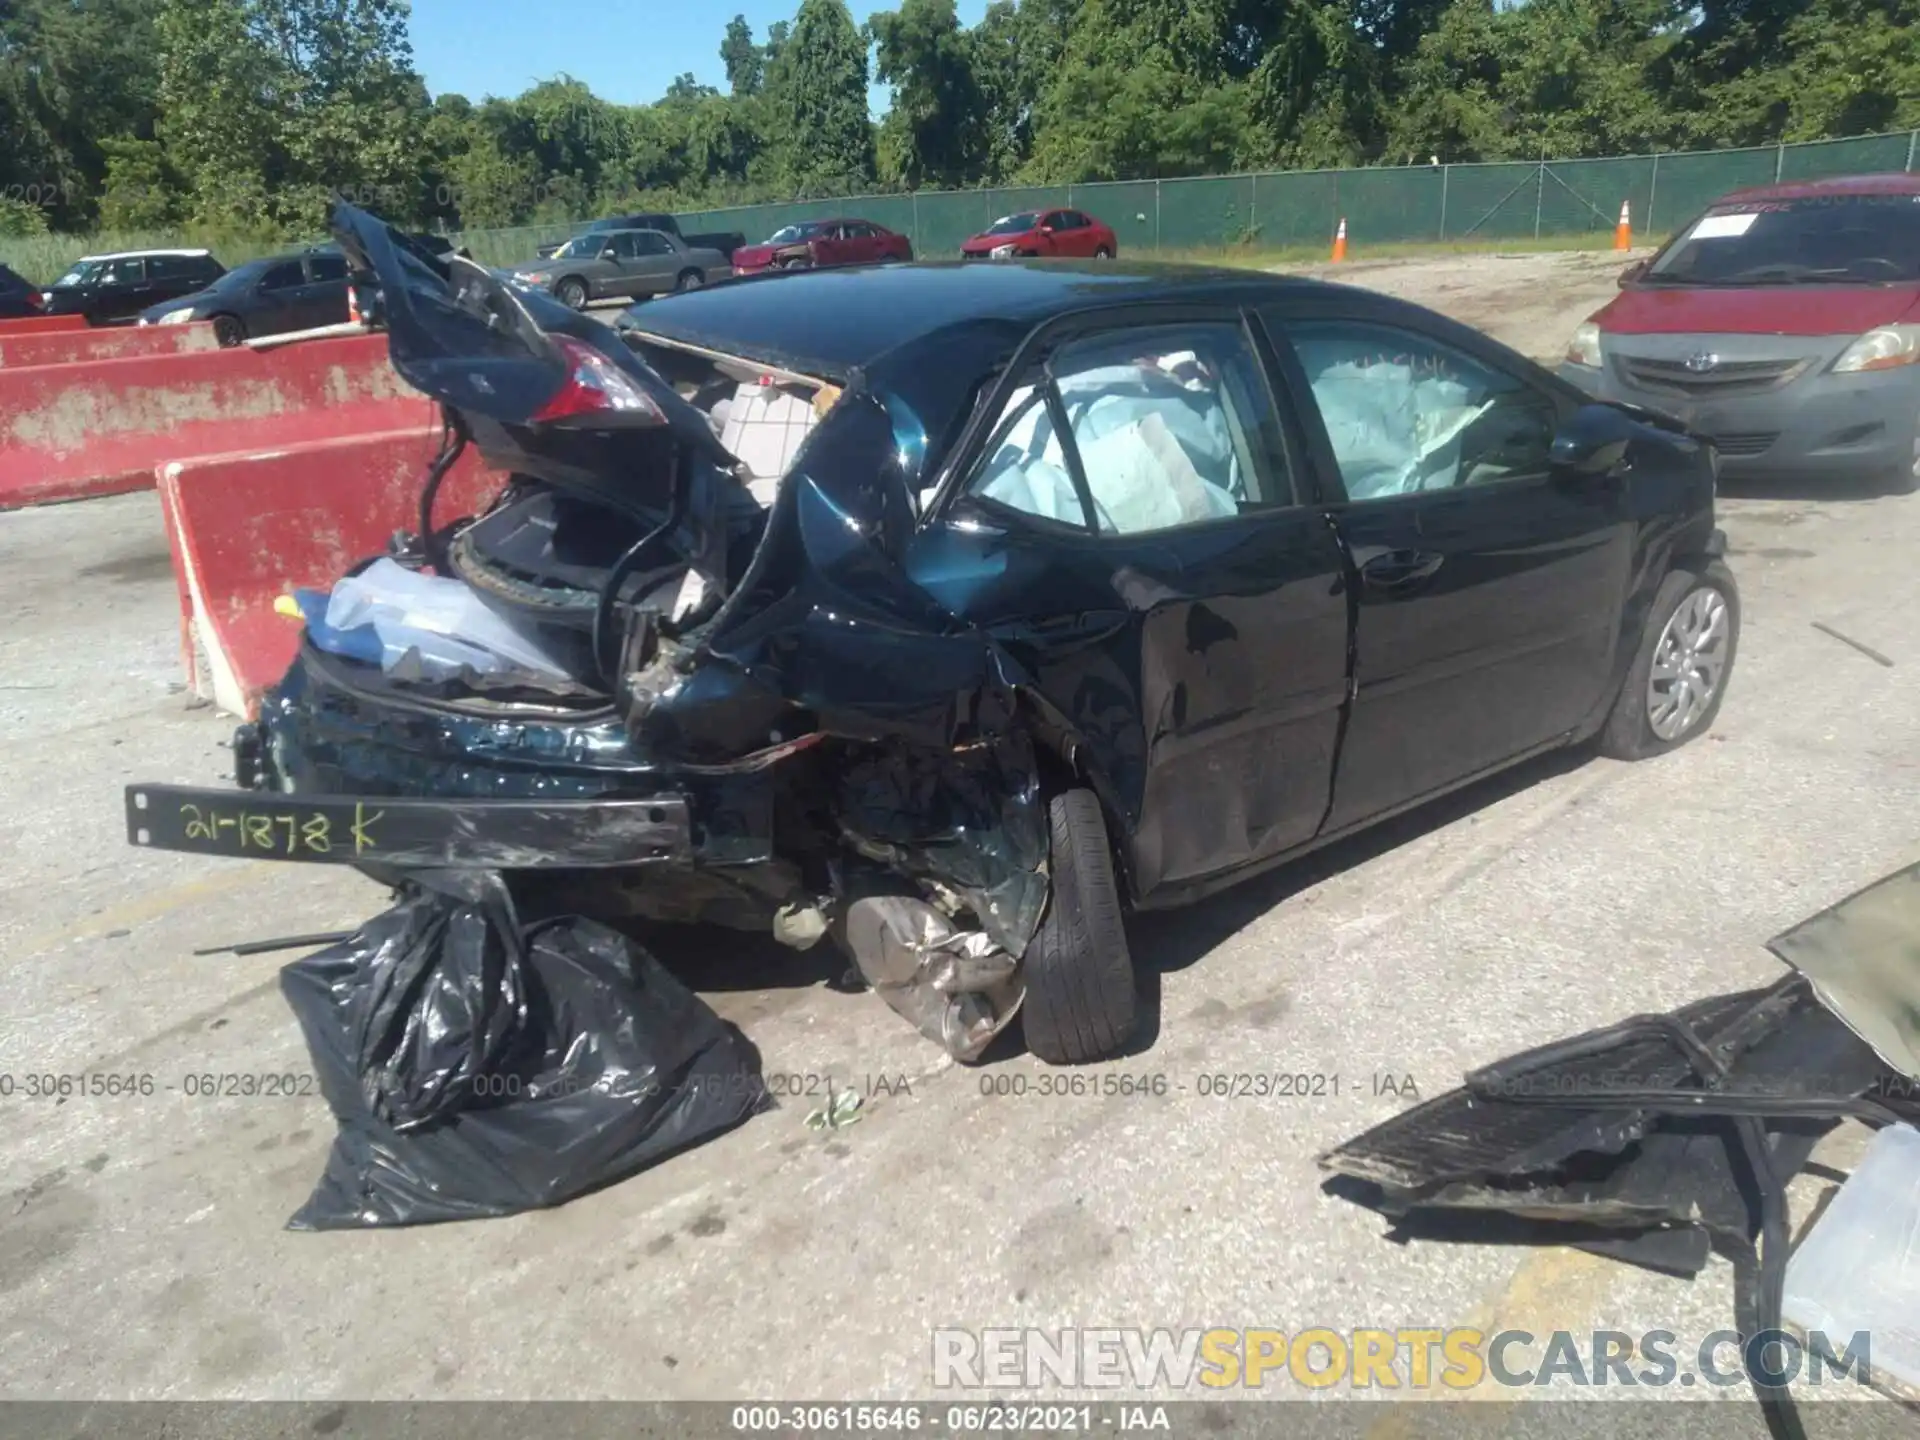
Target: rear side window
1167 426
1833 239
11 283
328 267
174 267
1405 414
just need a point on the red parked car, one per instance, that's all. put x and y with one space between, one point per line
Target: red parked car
1043 232
816 244
1783 324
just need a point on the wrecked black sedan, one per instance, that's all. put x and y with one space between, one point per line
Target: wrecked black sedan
949 610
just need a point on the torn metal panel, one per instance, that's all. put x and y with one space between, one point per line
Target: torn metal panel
972 819
1863 957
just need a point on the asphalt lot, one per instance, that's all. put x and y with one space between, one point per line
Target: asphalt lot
141 1248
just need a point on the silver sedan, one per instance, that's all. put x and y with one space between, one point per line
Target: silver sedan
620 264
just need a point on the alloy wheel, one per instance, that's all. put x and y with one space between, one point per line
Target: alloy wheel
1689 663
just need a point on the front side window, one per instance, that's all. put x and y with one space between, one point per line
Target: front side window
1405 414
327 267
649 242
284 276
123 272
1167 426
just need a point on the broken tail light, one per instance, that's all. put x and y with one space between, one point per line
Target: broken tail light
595 389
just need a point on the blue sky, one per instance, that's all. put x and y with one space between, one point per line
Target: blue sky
627 51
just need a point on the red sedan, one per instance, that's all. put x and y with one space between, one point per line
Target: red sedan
1043 232
816 244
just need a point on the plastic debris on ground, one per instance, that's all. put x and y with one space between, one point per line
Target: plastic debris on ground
843 1108
1858 1270
481 1066
438 627
1649 1139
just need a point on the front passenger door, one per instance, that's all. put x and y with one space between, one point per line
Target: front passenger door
123 290
613 267
1489 583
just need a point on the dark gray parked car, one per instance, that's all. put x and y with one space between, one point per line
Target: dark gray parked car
621 264
275 296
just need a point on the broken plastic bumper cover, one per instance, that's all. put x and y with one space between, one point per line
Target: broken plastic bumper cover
346 829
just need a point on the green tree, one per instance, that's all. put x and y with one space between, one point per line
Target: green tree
74 75
222 94
141 189
935 133
745 61
817 90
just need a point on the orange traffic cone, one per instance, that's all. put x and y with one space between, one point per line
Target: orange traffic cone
1623 232
1340 242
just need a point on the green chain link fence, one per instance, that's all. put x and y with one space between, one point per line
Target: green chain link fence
1382 206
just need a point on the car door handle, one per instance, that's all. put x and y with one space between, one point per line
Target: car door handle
1400 569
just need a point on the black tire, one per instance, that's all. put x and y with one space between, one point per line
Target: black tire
688 280
572 293
1082 1003
228 330
1629 733
1103 253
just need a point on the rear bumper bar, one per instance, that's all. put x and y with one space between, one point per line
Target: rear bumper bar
457 834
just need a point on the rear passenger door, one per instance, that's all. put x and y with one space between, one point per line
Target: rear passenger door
1128 528
1489 581
651 268
324 299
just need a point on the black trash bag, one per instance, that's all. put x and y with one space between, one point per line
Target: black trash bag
479 1075
436 1003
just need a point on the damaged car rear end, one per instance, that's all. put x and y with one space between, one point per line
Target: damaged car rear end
940 608
737 709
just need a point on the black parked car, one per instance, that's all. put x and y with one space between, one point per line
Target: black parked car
947 609
110 289
19 299
301 291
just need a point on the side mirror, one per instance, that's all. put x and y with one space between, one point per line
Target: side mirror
1632 273
1593 442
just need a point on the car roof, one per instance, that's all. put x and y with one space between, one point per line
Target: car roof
142 254
1894 183
828 322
